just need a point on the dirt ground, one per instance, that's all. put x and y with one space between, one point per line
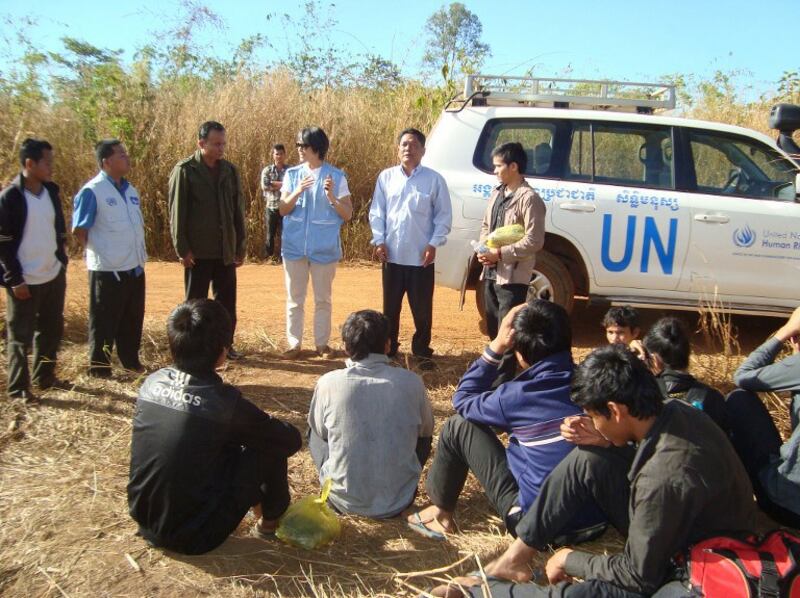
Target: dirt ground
64 528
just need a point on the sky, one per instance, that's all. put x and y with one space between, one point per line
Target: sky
612 39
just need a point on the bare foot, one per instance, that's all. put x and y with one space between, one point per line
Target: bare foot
434 519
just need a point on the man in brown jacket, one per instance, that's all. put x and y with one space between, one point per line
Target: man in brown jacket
206 212
508 270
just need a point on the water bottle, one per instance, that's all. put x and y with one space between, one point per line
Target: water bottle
479 247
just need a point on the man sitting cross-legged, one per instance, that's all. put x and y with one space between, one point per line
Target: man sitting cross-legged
529 408
681 483
370 424
202 454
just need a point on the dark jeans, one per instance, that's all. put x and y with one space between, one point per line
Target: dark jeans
587 479
758 443
593 588
274 221
498 301
222 279
254 480
417 283
465 446
38 321
116 313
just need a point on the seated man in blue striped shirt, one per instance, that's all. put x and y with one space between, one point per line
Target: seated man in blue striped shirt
529 408
410 217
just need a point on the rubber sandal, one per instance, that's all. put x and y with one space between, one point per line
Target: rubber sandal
420 527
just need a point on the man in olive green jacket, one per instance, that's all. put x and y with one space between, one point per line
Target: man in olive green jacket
206 212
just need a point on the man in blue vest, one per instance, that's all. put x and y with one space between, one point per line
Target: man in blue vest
107 222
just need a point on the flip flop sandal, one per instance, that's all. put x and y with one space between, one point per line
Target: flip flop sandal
420 527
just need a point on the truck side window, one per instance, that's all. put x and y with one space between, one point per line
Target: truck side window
620 154
730 165
536 136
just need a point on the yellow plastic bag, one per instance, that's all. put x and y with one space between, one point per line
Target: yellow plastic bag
505 235
310 522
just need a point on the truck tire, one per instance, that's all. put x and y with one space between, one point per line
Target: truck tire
550 281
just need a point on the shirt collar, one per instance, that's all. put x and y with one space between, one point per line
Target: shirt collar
371 359
413 172
123 185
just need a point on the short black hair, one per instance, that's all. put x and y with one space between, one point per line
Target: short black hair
541 328
365 332
412 131
512 152
622 315
33 149
613 373
198 331
316 139
105 149
669 339
207 127
279 147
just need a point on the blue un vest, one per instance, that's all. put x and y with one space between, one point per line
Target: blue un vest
311 229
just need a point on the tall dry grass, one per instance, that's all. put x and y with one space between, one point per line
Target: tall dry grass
257 112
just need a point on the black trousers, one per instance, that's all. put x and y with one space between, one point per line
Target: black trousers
417 283
465 446
38 321
274 220
498 301
757 442
222 279
254 480
116 313
586 479
593 588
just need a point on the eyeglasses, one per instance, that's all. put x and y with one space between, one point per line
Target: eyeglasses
303 145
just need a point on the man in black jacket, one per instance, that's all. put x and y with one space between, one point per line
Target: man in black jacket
33 268
202 455
680 484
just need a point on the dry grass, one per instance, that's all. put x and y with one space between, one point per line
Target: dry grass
65 531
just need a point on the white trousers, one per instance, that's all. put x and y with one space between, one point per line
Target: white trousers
296 274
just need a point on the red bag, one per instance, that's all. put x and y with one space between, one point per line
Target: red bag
756 567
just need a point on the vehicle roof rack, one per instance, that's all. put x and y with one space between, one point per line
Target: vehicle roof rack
625 96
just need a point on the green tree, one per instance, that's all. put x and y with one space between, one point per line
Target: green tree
454 47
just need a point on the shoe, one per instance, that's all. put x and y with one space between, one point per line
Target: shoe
56 383
234 355
99 372
26 397
425 363
137 368
292 353
326 352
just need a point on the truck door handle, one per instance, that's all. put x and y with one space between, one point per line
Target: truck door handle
572 206
712 218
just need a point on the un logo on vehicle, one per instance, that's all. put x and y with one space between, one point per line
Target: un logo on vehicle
744 237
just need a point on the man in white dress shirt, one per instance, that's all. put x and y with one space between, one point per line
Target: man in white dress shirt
410 217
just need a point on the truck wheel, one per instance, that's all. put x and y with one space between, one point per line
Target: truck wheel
552 281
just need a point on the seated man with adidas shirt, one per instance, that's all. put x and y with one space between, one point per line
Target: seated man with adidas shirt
107 221
529 408
201 454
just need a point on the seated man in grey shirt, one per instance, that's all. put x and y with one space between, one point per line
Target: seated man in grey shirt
370 424
773 465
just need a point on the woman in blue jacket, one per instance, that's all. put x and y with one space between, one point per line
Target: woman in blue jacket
315 202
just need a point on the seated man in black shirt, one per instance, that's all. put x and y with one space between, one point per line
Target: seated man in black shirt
201 453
